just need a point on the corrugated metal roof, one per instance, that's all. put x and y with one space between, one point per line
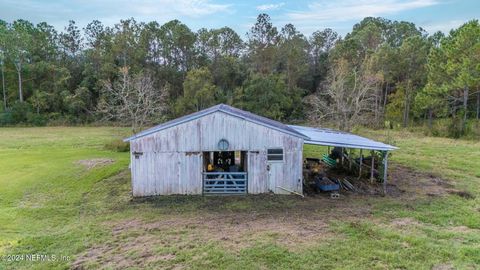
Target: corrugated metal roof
319 136
228 110
330 137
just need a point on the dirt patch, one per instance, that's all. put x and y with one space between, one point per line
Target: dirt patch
460 193
407 182
417 183
146 243
32 199
404 222
137 251
402 182
95 162
236 223
235 231
463 229
443 267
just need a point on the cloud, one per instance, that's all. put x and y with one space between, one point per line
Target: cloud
267 7
445 27
194 9
344 10
110 12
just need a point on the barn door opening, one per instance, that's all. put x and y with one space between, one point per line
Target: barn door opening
274 167
225 172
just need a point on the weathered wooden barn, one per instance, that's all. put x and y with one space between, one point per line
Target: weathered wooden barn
222 150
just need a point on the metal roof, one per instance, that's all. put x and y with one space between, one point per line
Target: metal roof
330 137
225 109
318 136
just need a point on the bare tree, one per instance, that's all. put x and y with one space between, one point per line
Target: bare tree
348 98
132 99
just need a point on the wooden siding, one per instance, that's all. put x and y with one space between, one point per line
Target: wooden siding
257 172
171 160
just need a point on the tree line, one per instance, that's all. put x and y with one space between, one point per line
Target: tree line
139 73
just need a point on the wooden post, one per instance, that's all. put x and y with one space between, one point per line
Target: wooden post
361 162
372 154
350 159
343 155
373 165
385 169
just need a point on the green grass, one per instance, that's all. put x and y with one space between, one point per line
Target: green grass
51 205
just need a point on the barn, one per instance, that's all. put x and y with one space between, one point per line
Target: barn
225 150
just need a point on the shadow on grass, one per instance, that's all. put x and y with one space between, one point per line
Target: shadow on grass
244 203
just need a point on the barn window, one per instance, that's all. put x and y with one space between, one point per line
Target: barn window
275 154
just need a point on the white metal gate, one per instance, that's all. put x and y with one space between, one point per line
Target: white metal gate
225 183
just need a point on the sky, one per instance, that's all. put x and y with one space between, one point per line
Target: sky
307 15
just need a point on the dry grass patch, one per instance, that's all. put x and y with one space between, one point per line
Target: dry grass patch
89 164
231 231
237 224
411 184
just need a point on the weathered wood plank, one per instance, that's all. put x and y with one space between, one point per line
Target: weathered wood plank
171 162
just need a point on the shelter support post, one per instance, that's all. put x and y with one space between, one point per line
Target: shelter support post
360 166
385 169
350 159
373 165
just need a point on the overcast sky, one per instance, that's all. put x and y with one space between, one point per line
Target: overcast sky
307 16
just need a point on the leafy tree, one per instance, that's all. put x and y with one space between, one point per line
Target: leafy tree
126 44
228 73
293 56
265 95
463 58
407 75
39 101
262 45
229 42
398 32
453 70
71 40
199 92
412 62
3 50
177 47
321 43
216 43
19 45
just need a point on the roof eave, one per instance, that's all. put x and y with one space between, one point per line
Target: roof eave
218 109
355 146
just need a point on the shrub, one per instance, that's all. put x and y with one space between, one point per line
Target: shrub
35 119
118 146
451 128
20 110
455 129
6 119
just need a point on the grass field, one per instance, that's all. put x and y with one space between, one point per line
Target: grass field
52 205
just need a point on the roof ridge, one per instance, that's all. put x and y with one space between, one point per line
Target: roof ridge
225 108
285 126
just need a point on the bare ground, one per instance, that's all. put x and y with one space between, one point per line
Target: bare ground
95 162
296 228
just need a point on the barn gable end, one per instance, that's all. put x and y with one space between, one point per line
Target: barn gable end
169 160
